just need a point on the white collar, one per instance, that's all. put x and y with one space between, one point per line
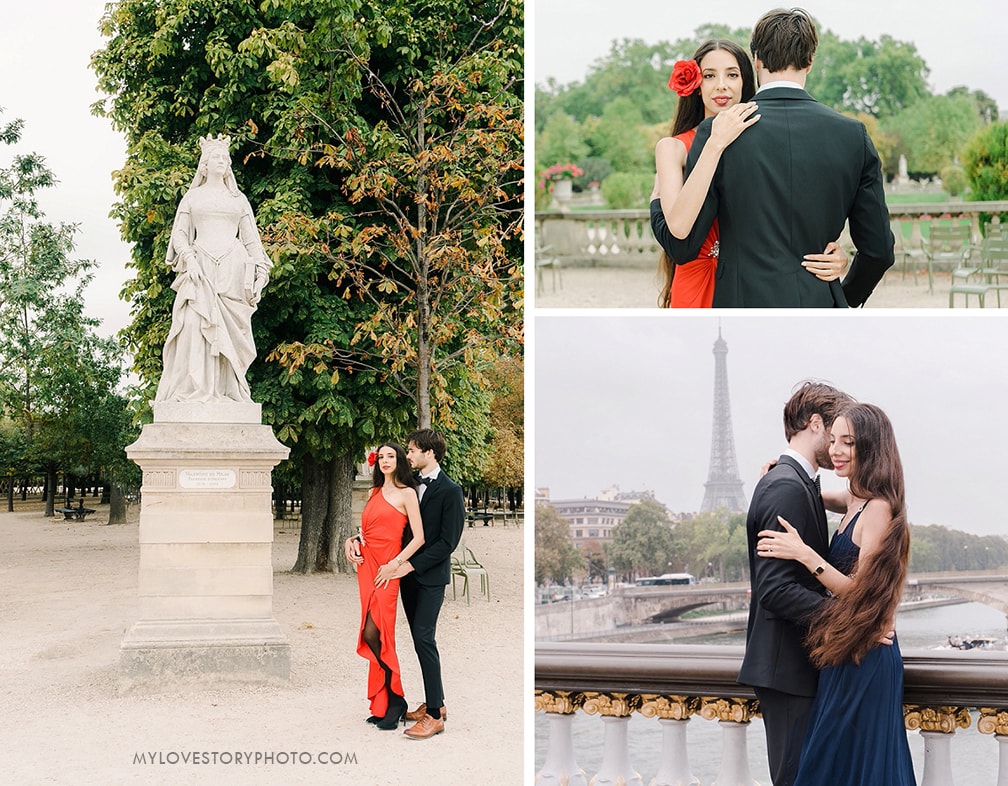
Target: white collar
779 83
804 462
433 473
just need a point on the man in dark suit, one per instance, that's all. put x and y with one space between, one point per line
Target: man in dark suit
784 593
787 185
425 574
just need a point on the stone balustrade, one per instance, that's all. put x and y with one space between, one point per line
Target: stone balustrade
674 683
615 238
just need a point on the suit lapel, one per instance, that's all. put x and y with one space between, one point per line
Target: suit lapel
429 491
817 505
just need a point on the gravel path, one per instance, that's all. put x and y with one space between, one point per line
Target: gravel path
70 592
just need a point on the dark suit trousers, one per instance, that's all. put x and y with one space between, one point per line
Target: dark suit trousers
422 605
785 718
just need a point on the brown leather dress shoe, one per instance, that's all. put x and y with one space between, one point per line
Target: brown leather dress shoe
425 727
414 715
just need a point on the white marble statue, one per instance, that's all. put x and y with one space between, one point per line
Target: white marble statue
222 268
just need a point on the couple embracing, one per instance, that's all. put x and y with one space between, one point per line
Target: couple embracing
754 187
409 528
821 652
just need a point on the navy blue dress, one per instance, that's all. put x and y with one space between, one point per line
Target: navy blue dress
855 734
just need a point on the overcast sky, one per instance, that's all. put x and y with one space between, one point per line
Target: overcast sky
961 42
45 47
628 400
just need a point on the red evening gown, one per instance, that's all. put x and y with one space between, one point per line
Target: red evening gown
382 526
693 283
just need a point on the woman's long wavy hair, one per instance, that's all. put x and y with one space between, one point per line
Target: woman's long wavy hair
689 112
849 625
403 474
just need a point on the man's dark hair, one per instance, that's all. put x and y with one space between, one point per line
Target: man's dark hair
428 439
784 38
813 398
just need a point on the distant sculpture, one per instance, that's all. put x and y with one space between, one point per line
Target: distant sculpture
222 268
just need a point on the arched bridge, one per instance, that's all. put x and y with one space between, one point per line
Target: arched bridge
632 606
982 588
668 604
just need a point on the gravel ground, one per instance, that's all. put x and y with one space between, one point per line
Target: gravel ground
70 592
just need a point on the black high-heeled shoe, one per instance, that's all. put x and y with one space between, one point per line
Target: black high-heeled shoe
372 719
396 712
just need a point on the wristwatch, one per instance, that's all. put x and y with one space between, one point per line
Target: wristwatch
819 569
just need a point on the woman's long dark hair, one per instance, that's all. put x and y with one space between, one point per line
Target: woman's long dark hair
403 474
689 112
849 625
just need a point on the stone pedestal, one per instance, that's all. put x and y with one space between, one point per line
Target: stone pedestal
206 537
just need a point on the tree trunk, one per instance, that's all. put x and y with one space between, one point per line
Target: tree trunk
315 479
341 522
117 505
423 290
50 484
10 493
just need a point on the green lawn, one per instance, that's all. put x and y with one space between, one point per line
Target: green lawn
916 199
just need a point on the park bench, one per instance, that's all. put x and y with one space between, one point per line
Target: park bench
480 515
79 512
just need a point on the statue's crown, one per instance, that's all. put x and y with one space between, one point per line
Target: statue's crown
208 142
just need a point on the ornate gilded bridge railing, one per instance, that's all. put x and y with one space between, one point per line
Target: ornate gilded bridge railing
672 683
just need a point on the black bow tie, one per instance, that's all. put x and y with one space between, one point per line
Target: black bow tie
818 485
426 481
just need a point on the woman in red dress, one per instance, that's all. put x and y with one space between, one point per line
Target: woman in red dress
392 505
718 81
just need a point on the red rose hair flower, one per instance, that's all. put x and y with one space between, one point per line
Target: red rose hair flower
686 77
372 457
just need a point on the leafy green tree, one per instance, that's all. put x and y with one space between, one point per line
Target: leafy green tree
877 78
596 561
556 557
505 467
281 77
560 142
435 180
623 190
987 108
618 137
57 372
935 131
642 543
986 163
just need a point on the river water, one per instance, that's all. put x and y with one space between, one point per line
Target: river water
974 755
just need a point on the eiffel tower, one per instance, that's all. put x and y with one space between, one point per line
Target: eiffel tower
724 486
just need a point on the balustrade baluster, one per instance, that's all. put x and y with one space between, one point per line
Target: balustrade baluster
733 717
616 768
615 709
1002 778
561 767
937 726
673 713
994 721
937 759
674 769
